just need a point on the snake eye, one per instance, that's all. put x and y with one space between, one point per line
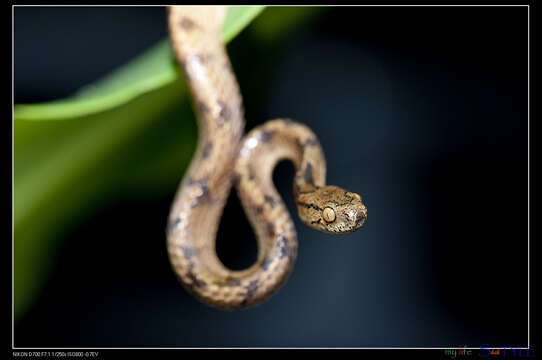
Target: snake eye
328 214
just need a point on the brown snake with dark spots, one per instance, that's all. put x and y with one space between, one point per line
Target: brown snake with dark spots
223 158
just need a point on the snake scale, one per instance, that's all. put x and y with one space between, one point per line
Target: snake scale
224 159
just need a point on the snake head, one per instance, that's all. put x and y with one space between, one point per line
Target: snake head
331 209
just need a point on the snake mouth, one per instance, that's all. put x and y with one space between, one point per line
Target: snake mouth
361 221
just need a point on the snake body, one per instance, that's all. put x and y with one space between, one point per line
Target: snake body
224 158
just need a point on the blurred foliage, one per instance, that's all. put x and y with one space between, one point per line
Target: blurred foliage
131 133
150 71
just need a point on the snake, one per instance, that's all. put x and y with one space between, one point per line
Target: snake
225 158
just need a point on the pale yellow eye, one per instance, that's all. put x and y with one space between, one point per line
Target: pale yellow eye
328 214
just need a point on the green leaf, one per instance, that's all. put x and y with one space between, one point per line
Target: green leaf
150 71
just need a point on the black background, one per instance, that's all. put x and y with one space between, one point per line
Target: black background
421 110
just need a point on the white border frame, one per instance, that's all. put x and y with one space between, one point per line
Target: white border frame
14 349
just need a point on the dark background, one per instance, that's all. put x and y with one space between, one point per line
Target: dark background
423 111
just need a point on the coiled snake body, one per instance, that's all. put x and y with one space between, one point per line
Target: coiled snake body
223 158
